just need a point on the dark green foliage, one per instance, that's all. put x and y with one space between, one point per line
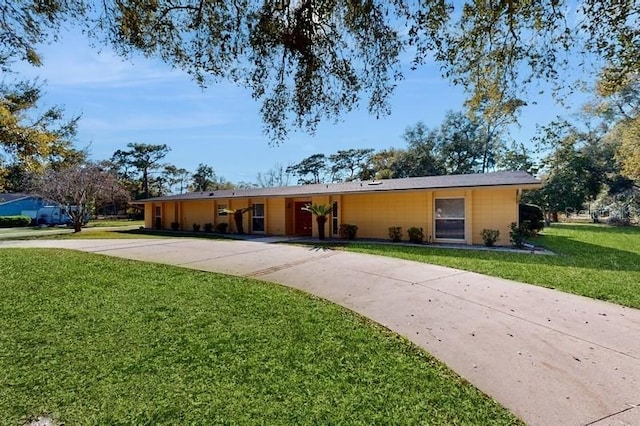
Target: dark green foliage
490 236
350 164
518 234
221 227
196 227
208 227
14 221
348 232
619 221
310 170
175 226
416 235
395 233
420 158
533 215
136 166
308 61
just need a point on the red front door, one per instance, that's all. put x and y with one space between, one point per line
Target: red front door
302 220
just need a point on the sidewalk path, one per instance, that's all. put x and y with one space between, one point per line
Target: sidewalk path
552 358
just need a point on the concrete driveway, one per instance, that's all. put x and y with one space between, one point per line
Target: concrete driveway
552 358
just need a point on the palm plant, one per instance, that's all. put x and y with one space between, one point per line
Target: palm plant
320 211
237 217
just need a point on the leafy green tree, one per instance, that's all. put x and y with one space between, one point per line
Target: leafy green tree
493 119
575 171
516 157
32 140
310 170
350 164
383 163
315 59
461 145
419 158
177 178
203 178
143 160
628 153
620 103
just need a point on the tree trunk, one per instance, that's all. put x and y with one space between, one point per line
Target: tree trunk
237 218
145 183
77 225
321 221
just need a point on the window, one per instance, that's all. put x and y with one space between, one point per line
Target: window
449 218
221 209
257 219
158 218
334 218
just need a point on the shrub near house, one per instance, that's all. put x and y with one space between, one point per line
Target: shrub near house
14 221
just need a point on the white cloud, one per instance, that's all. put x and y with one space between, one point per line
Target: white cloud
151 122
71 61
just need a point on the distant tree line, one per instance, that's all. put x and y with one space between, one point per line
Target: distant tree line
592 160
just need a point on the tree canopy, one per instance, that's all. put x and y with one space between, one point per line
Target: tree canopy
310 60
81 189
32 138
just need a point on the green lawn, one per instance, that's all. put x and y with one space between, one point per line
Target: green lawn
101 223
597 261
98 340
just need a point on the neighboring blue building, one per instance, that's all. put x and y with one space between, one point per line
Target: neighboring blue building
20 204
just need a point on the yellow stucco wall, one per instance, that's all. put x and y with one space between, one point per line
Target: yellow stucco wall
148 215
196 212
373 214
491 208
275 213
494 209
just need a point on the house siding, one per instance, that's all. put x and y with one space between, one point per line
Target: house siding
275 216
373 214
494 209
372 210
197 212
17 207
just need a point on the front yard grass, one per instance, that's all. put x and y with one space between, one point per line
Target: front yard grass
597 261
95 340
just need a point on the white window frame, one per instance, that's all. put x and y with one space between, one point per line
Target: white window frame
335 223
463 218
263 218
157 214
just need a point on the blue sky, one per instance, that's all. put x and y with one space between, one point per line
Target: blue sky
144 100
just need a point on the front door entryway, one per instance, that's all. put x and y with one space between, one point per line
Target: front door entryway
302 220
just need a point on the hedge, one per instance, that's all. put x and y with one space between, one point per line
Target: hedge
533 214
14 221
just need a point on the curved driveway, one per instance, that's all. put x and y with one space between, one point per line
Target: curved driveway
552 358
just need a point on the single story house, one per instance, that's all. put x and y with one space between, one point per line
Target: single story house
454 208
14 204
